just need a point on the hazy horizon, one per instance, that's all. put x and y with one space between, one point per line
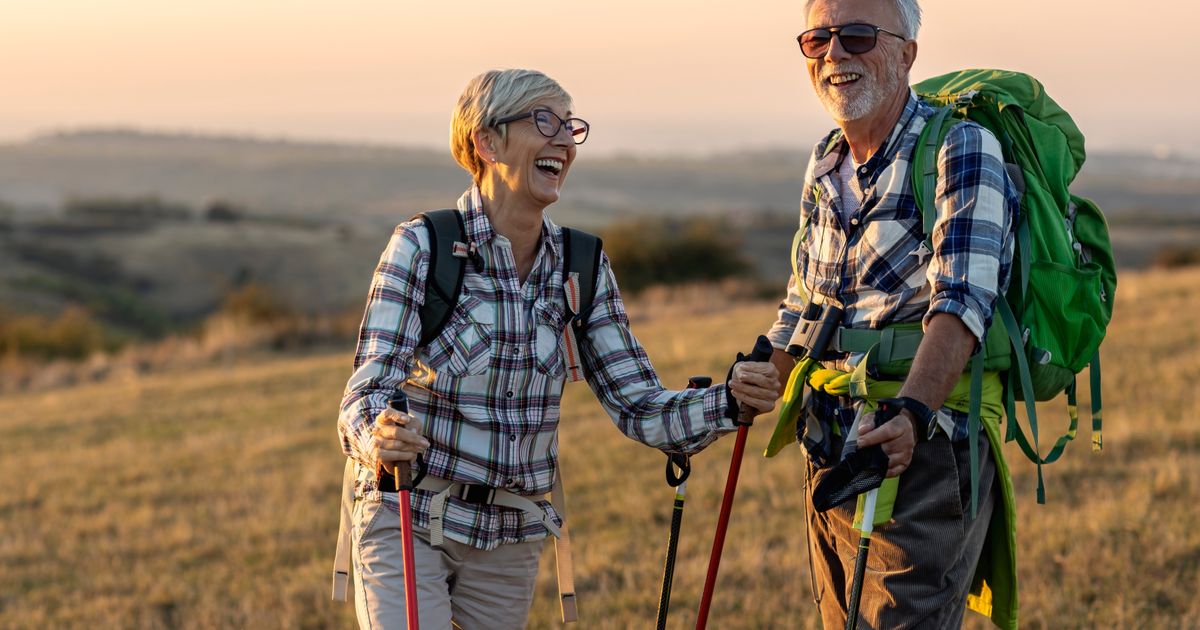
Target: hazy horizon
667 78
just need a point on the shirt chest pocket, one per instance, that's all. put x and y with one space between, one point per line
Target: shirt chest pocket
465 346
550 319
891 252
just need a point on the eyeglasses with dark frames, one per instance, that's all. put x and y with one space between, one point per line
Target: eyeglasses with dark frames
548 123
856 39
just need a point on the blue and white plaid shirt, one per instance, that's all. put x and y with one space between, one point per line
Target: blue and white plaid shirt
874 264
488 388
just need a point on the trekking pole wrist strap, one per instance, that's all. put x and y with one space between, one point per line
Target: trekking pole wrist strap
924 419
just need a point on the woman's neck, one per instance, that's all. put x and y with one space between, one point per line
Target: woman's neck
520 223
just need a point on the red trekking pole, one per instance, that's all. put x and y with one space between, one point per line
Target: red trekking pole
762 352
404 485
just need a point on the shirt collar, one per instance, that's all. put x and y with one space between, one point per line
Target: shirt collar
834 148
479 227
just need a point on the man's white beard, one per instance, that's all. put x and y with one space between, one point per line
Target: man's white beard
870 93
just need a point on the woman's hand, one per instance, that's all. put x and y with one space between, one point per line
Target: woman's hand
755 385
396 437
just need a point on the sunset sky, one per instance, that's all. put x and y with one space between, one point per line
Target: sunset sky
664 76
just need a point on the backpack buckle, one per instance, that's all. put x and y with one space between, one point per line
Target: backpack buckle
965 98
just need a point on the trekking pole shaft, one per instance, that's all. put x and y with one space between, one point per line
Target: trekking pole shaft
860 564
714 560
410 569
679 481
664 601
761 352
403 473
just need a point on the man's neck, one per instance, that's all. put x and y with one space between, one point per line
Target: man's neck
866 135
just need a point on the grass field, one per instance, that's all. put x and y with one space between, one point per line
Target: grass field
209 498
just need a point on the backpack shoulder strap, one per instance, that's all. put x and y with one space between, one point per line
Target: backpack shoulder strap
924 168
448 254
581 253
581 261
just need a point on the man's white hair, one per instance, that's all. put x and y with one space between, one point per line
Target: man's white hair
910 16
493 95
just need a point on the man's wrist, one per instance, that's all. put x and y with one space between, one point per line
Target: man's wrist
922 418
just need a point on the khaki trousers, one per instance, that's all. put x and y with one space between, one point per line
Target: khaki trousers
456 583
920 564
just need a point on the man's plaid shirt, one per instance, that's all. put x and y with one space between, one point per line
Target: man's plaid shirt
488 388
873 263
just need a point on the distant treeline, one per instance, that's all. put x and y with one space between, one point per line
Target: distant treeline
103 305
84 215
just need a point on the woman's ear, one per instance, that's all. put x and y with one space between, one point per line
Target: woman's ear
485 144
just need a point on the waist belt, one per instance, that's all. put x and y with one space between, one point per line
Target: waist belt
478 495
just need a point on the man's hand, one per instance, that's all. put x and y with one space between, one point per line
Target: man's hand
396 437
895 437
755 385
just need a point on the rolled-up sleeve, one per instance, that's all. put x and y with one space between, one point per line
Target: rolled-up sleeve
973 233
623 379
387 338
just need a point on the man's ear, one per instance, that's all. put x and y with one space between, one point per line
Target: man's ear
485 144
909 54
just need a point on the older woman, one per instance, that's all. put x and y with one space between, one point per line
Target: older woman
487 391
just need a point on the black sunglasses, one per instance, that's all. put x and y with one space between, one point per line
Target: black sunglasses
548 123
856 39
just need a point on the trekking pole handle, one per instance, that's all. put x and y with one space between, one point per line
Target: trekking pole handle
403 471
762 352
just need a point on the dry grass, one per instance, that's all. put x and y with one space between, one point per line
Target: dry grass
209 499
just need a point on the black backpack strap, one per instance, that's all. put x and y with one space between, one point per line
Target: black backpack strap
581 259
581 254
448 253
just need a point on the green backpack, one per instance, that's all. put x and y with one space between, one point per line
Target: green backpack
1061 295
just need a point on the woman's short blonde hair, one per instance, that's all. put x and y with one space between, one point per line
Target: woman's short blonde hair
490 97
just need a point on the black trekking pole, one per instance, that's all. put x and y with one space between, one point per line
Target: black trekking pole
678 481
860 471
869 476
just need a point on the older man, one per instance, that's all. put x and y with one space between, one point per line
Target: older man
863 259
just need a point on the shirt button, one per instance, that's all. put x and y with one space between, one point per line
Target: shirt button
862 170
853 221
516 352
508 394
512 437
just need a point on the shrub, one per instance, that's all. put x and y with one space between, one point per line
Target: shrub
1177 256
131 212
73 334
221 211
255 304
646 252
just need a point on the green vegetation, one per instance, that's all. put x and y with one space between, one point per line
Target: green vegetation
1177 256
73 334
120 212
647 252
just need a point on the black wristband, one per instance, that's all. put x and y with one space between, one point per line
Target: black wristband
924 419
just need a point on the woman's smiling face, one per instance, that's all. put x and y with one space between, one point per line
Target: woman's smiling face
532 165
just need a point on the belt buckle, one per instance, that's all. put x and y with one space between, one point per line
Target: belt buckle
476 493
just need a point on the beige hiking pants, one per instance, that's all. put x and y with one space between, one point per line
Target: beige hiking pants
472 588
